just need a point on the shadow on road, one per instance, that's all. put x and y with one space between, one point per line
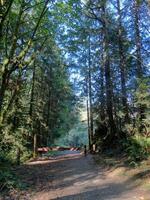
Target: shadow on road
74 177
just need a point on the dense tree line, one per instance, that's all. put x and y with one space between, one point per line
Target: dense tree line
123 69
109 43
36 97
123 66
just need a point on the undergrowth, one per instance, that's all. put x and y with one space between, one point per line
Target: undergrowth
137 148
8 179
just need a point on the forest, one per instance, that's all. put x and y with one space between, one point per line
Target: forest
61 59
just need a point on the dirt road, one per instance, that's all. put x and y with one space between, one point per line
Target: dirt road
75 177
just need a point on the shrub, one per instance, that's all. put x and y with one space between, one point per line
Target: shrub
137 148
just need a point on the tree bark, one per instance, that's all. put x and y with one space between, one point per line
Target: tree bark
137 40
48 117
122 65
138 54
88 123
109 91
31 111
32 92
88 113
34 145
90 94
103 100
3 89
18 156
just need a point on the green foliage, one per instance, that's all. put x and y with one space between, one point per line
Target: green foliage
9 181
137 148
76 137
37 93
78 134
142 101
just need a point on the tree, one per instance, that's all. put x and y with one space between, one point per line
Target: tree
36 95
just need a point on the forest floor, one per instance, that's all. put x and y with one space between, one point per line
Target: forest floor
76 177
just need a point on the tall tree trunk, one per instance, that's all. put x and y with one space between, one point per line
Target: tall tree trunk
88 122
31 112
34 145
122 65
109 91
32 92
137 40
3 89
90 94
102 87
88 112
48 117
138 54
18 153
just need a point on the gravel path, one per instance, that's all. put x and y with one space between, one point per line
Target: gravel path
74 177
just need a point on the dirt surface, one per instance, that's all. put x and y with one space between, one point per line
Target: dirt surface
75 177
